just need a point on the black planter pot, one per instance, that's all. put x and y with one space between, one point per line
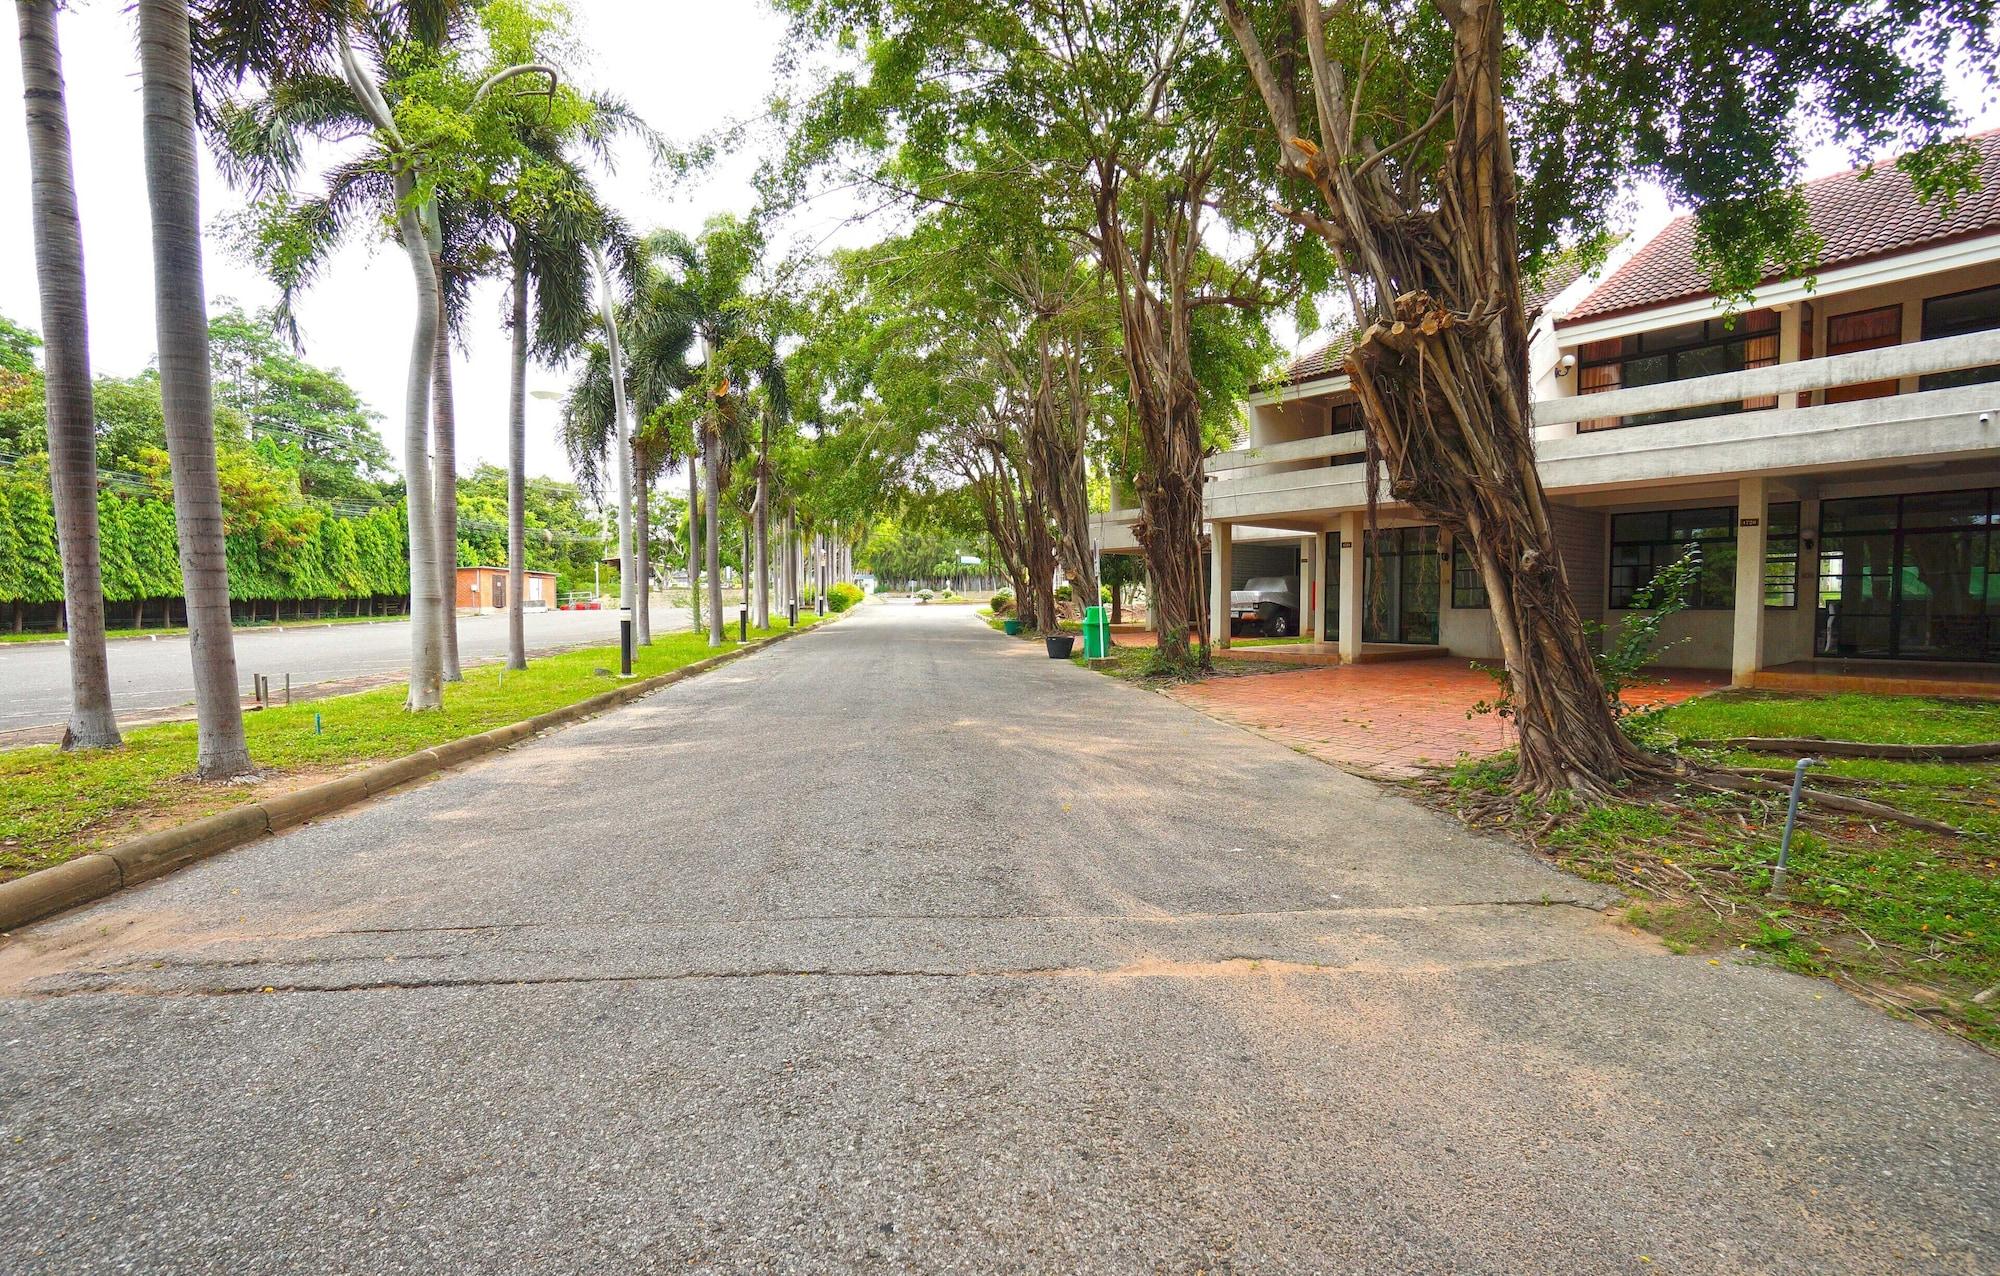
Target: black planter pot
1060 645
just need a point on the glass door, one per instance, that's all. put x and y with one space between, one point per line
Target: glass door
1911 577
1401 585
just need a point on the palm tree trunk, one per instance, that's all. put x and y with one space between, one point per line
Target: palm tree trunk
426 597
445 488
694 543
71 413
642 560
173 185
180 309
713 538
517 467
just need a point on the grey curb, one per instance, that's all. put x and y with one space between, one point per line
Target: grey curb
96 874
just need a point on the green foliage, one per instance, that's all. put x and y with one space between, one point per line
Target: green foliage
1002 601
17 347
842 595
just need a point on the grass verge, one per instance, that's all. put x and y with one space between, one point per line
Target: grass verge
1905 918
54 805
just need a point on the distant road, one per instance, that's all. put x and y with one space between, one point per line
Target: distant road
156 675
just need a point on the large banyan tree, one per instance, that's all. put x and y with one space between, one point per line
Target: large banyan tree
1438 145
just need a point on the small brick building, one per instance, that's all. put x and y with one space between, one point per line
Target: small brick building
484 589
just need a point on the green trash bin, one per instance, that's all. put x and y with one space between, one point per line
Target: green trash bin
1096 634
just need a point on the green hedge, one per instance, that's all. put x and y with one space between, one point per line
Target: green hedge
288 553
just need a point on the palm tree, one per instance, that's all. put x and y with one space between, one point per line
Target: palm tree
654 336
72 423
181 312
705 278
263 144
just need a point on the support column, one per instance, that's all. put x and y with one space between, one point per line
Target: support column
1312 591
1752 527
1221 546
1351 566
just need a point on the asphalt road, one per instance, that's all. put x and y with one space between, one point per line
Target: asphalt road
153 674
901 948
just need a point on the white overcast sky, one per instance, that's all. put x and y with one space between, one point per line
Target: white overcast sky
685 66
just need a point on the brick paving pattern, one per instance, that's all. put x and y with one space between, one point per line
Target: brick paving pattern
1393 719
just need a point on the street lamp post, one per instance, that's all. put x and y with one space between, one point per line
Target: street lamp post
626 599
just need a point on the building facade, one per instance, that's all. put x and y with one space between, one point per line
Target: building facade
1831 450
483 589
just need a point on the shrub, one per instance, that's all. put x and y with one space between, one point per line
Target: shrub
924 595
1063 592
1003 601
842 596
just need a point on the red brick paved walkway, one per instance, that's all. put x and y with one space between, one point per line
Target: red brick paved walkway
1389 719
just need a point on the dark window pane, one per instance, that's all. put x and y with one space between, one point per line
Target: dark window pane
1860 514
1650 526
1716 523
1945 509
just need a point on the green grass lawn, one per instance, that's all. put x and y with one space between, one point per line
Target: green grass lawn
55 805
1906 918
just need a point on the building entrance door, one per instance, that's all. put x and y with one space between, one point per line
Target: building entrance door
1400 585
1913 577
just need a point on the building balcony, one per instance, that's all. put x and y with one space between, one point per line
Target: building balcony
1302 482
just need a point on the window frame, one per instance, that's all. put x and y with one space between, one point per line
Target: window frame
1778 550
1961 376
1631 349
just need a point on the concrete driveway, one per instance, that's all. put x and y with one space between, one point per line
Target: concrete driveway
900 947
150 676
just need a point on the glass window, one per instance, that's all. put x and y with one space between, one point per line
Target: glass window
1643 543
1468 587
1702 349
1955 315
1863 330
1781 556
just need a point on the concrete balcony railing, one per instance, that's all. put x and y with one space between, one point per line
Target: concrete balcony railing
1294 478
1929 425
1277 458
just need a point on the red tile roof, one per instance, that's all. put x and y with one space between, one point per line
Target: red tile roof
1325 361
1861 214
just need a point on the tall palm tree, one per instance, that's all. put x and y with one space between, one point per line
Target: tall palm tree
548 215
655 335
181 314
72 423
705 279
263 145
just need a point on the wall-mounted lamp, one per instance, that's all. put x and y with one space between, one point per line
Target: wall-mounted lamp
1565 365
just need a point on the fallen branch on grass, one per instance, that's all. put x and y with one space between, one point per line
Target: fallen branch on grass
1850 748
1832 801
1784 775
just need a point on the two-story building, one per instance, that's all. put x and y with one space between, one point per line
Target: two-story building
1833 448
